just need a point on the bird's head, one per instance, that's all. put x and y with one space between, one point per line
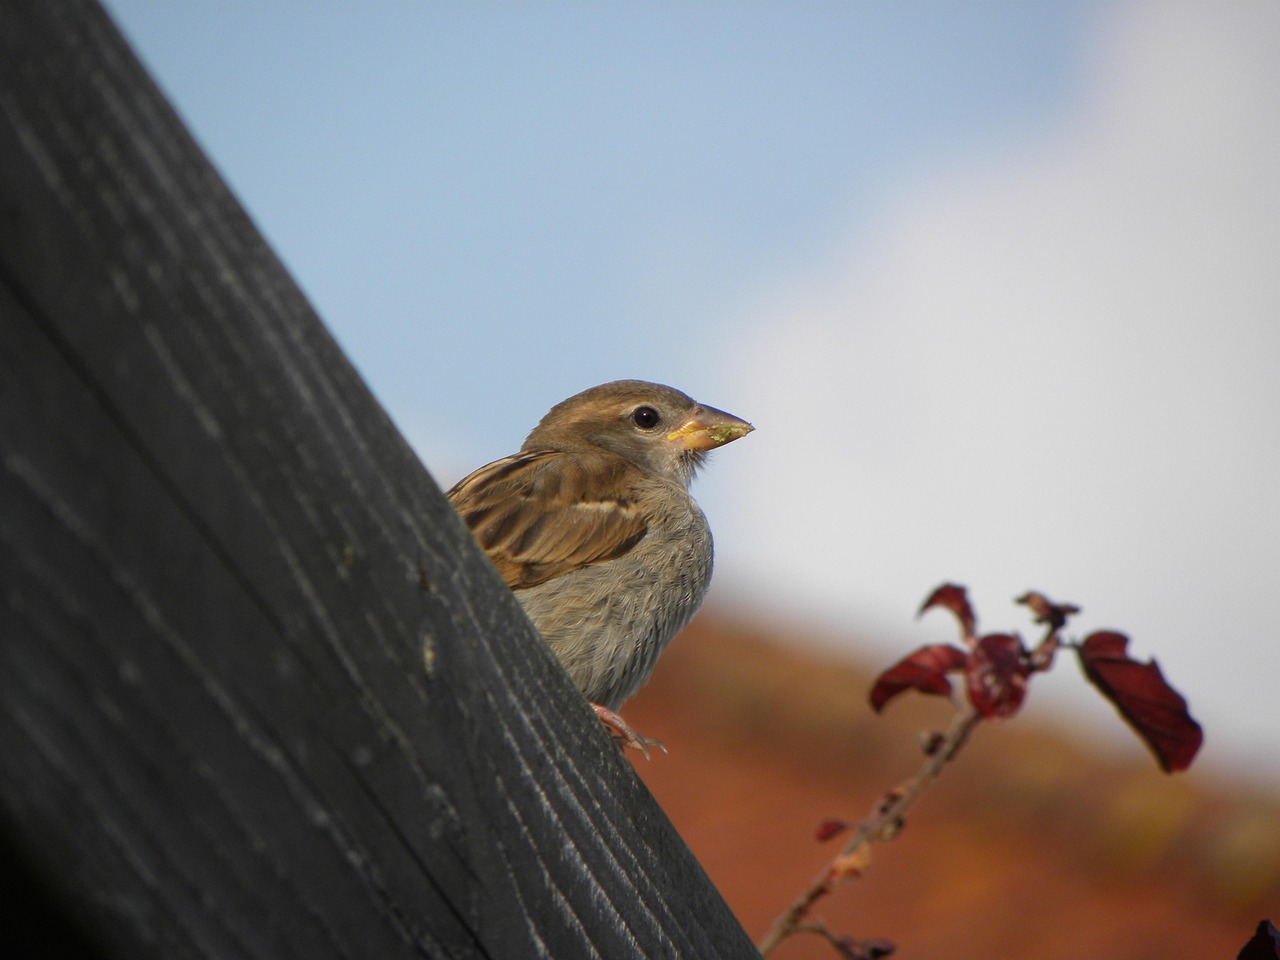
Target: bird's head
653 426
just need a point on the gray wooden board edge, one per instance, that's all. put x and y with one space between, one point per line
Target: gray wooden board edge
260 696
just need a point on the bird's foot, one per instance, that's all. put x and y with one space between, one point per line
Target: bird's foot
624 731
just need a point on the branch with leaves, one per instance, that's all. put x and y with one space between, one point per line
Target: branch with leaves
996 669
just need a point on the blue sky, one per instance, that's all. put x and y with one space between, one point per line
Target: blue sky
590 187
996 282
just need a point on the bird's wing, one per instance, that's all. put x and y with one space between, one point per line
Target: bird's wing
540 514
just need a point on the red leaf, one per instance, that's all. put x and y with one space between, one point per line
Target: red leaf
1051 614
953 597
997 675
831 828
1146 701
925 670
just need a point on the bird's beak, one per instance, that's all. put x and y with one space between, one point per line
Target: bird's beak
709 428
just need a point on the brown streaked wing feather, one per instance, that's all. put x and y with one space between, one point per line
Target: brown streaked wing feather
540 514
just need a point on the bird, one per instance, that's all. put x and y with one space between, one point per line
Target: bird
592 526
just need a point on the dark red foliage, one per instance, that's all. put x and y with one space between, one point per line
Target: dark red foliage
953 597
1146 701
996 674
1051 614
925 670
831 828
997 668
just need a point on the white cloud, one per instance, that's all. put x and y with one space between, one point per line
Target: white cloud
1056 364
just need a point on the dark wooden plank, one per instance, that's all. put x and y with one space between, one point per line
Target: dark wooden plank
260 695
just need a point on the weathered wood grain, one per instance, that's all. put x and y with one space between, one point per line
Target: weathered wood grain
260 695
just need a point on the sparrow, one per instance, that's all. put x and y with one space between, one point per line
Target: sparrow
592 526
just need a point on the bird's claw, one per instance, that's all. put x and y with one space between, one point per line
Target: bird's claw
625 733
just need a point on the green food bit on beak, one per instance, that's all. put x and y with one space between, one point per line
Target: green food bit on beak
724 432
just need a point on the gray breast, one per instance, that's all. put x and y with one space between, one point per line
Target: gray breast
609 622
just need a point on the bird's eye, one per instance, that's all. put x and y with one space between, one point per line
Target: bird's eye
646 418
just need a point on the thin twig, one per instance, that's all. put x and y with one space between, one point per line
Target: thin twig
882 825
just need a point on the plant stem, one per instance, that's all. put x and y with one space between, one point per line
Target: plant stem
882 825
